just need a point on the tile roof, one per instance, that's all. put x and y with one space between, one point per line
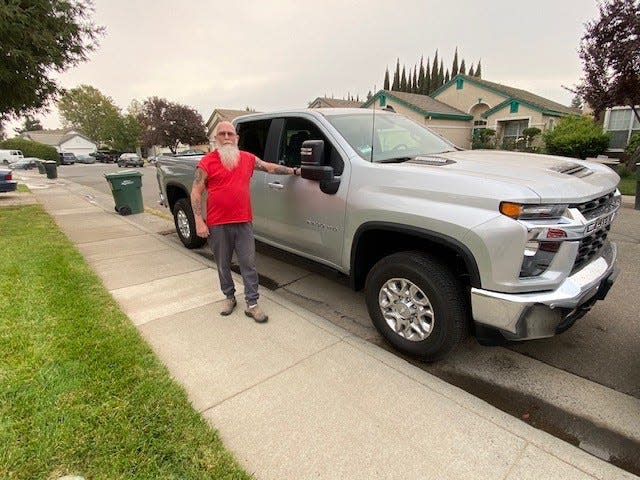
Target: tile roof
424 103
335 103
53 137
518 94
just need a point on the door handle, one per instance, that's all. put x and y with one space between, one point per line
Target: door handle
276 185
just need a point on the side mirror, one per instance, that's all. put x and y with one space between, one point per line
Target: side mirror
311 156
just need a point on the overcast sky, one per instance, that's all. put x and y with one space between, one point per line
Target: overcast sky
279 54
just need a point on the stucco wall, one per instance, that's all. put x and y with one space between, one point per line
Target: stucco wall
468 96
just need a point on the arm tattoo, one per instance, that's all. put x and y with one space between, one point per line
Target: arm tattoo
272 167
282 170
198 185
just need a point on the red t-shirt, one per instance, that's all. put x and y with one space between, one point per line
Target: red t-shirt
229 195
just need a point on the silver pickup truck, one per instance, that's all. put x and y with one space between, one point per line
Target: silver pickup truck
506 245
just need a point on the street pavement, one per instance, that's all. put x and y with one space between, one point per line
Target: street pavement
298 397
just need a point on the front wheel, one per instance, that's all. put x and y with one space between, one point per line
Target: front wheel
186 224
417 304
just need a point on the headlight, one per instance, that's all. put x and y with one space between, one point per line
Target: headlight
520 211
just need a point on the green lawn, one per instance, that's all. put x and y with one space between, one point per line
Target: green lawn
628 185
80 392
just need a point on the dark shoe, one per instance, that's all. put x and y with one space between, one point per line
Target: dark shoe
256 313
228 306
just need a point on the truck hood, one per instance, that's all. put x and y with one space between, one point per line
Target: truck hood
551 178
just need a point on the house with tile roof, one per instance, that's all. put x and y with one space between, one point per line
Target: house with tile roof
448 121
63 140
221 115
324 102
505 109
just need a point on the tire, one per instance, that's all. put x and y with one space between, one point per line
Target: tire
186 224
417 305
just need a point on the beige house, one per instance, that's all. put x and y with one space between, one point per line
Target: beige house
63 140
221 115
450 122
324 102
504 109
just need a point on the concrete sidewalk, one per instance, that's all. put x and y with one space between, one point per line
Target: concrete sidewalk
298 397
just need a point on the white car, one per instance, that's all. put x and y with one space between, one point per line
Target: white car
130 160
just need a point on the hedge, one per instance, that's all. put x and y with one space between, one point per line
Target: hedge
30 148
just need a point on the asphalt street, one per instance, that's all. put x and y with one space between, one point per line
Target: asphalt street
595 361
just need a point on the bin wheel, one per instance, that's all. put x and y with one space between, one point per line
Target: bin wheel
124 211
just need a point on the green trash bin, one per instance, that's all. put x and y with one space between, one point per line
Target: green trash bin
125 187
51 168
41 168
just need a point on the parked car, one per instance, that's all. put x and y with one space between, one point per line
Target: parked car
7 183
81 158
10 156
130 160
105 156
26 163
191 151
67 158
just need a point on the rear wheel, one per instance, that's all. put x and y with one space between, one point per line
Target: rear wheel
186 224
417 304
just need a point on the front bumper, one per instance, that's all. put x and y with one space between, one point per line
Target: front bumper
526 316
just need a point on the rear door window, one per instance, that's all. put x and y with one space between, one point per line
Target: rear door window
253 136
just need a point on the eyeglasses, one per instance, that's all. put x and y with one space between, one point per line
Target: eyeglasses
226 134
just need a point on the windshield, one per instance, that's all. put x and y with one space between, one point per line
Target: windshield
394 137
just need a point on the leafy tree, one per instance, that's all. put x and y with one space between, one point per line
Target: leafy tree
29 124
610 54
633 150
576 101
168 124
37 38
86 109
578 137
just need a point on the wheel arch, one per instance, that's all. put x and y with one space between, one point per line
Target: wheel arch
375 240
175 192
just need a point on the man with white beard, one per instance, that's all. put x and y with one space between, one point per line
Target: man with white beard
226 174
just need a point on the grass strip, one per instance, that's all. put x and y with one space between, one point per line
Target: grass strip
81 393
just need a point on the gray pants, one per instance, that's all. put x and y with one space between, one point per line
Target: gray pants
223 240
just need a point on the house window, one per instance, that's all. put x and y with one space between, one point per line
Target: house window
621 123
459 83
512 129
514 106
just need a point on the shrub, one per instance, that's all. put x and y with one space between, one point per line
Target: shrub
31 149
578 137
633 149
483 138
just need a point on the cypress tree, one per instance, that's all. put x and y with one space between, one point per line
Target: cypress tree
396 77
427 79
403 80
414 85
446 76
441 74
471 74
421 77
454 67
463 69
434 73
386 80
478 71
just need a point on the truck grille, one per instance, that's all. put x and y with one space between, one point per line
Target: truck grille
591 245
596 207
